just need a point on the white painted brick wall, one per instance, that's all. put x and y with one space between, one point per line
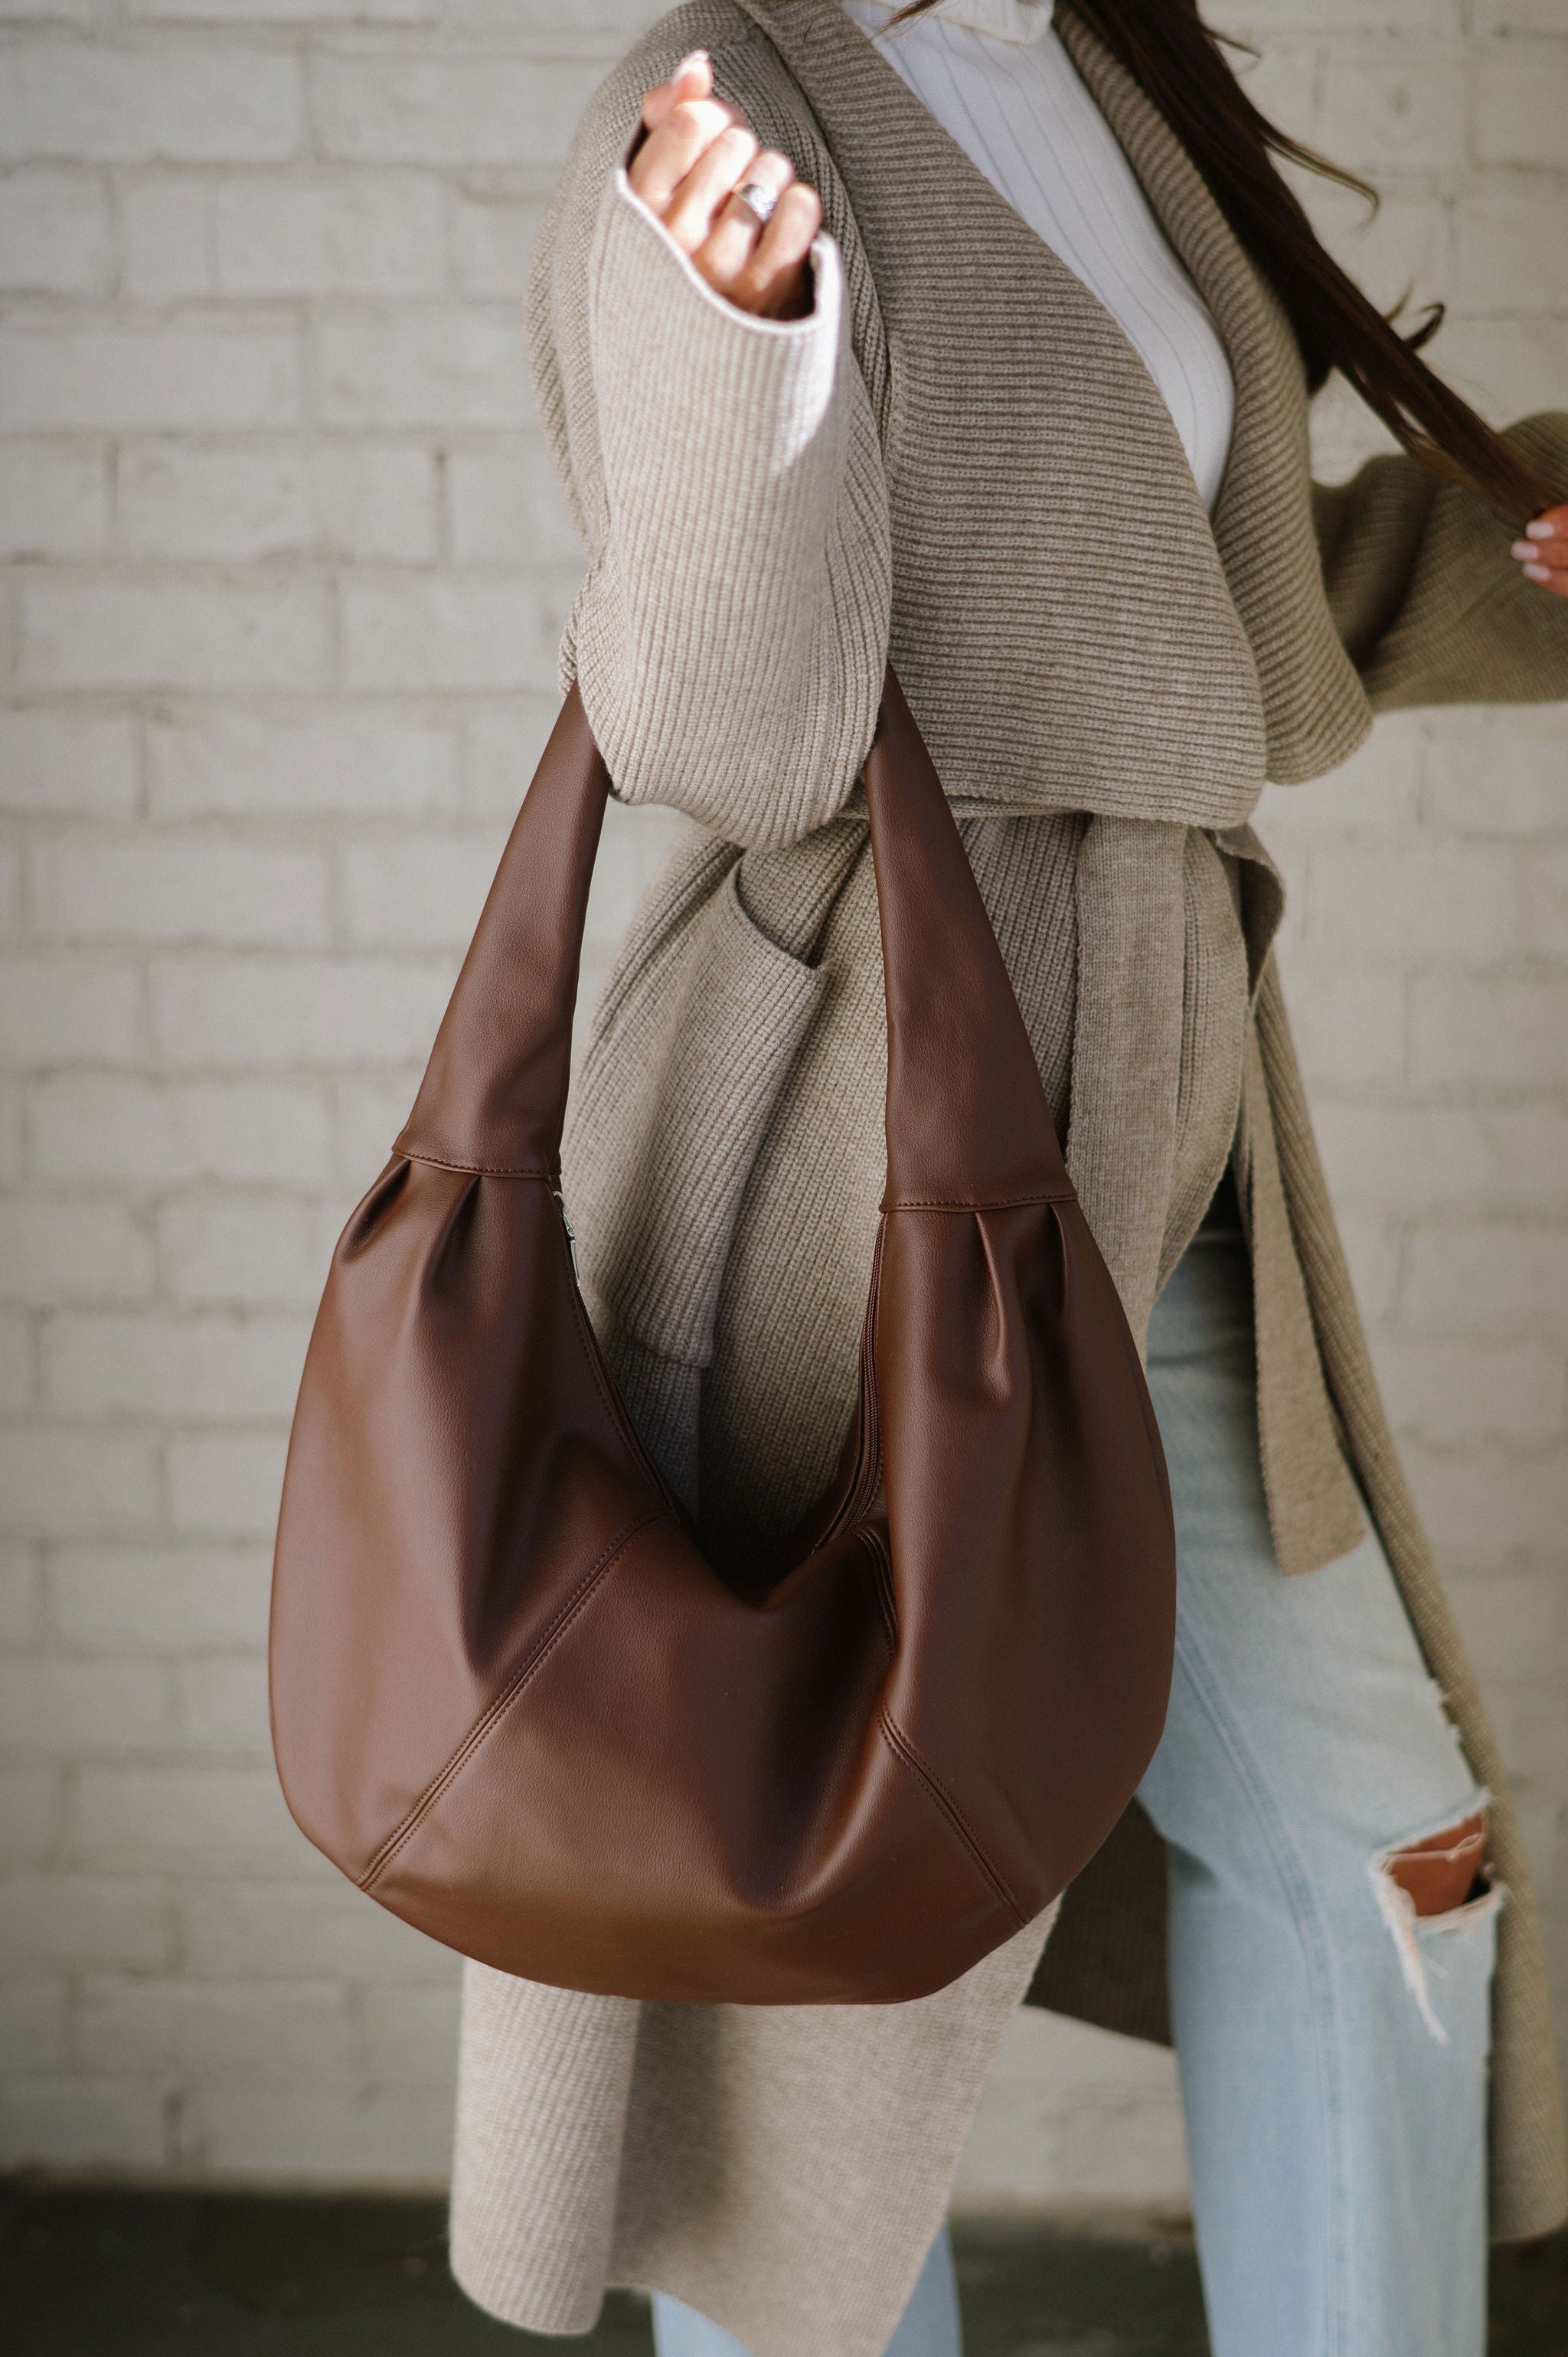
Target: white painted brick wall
285 571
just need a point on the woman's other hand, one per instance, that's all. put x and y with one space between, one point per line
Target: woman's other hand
699 153
1543 552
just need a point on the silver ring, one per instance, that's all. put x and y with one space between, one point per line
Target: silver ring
759 199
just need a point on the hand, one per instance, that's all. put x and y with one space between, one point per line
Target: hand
699 152
1544 553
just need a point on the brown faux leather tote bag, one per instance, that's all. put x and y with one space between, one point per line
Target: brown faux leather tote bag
512 1700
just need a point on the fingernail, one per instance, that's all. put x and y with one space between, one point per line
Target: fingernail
1523 550
1541 529
694 57
1537 573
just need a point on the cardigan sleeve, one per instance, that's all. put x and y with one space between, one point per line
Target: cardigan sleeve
731 633
1429 603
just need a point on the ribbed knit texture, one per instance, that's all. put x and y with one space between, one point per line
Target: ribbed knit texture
725 1155
999 80
800 478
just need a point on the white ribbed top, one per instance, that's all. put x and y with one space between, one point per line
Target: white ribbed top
998 79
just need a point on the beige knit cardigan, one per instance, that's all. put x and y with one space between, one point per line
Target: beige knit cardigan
957 456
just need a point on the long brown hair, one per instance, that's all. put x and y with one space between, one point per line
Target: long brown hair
1180 66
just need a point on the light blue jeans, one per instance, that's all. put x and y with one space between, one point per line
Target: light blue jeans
1332 2048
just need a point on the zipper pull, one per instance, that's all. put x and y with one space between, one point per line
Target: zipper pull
571 1236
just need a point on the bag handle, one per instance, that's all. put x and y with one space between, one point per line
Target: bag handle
967 1117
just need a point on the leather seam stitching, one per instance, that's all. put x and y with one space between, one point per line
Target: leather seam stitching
532 1660
990 1203
905 1751
476 1170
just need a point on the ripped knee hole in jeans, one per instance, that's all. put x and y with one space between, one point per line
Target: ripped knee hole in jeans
1442 1880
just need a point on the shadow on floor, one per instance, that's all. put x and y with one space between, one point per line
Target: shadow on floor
116 2274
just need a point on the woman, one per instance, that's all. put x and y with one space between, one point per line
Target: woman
986 341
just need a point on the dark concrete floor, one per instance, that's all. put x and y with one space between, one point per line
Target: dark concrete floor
116 2274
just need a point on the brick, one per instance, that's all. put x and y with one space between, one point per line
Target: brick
314 2134
502 745
129 1132
1488 1504
67 2122
67 1484
285 12
1456 1393
64 1008
223 1706
356 233
275 2028
1468 899
12 1150
1543 918
211 1364
442 368
32 2025
1521 103
1349 1028
1401 109
412 2035
295 1011
241 502
81 1709
1476 1279
1533 1735
185 102
50 762
1504 368
151 633
492 237
53 1251
19 1368
1401 254
463 111
106 1920
1375 795
1347 17
165 237
1073 2114
1508 1618
163 1598
29 1822
1489 1036
21 1600
54 232
324 1928
1517 17
446 635
339 762
171 890
185 1819
423 891
227 1483
53 503
1457 1157
246 1249
1512 255
370 1114
179 377
507 508
1495 773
